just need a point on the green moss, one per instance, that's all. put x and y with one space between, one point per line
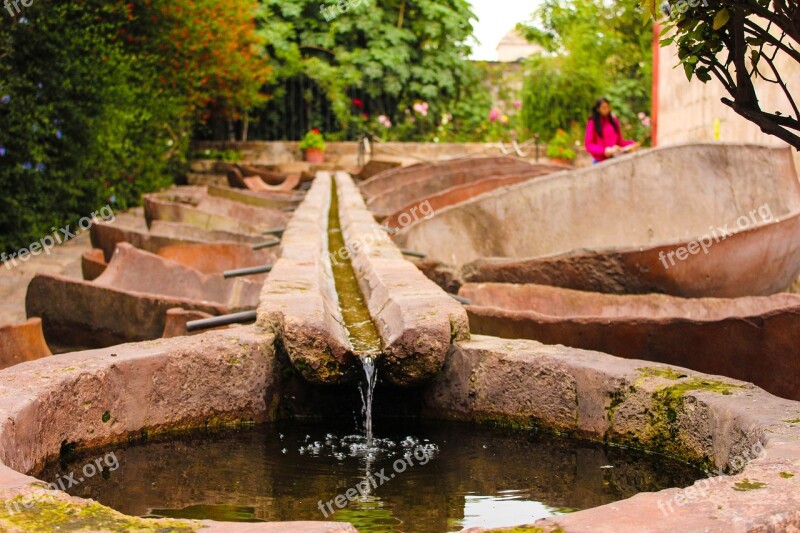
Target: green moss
786 475
793 421
746 484
106 417
47 515
666 373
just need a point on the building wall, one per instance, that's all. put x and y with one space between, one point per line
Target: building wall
687 111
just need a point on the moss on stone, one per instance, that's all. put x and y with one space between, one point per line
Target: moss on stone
47 514
793 421
786 475
746 485
666 373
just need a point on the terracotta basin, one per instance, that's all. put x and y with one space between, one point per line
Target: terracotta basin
128 302
410 213
22 342
211 213
693 220
713 335
390 191
161 234
374 167
213 258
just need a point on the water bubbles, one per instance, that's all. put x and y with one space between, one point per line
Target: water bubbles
283 451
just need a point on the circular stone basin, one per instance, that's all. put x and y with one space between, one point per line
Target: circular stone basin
424 477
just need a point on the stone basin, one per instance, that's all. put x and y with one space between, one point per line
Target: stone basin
22 342
389 191
129 300
213 258
161 234
718 220
713 335
232 377
211 213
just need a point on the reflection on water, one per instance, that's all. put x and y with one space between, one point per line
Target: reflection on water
453 476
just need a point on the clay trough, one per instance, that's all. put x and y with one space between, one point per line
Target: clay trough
128 302
272 200
389 191
696 220
252 179
211 213
22 342
721 336
161 234
412 320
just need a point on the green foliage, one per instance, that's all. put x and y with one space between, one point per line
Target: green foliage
560 146
388 55
79 127
313 139
593 48
230 156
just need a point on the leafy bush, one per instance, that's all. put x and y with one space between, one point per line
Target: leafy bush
313 139
560 146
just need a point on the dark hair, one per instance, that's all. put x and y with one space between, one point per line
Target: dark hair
596 117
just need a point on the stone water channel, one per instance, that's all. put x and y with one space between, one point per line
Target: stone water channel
215 431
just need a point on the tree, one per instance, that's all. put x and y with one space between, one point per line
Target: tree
738 42
592 48
385 55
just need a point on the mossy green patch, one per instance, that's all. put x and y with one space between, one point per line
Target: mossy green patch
786 475
106 417
793 421
745 485
666 373
46 515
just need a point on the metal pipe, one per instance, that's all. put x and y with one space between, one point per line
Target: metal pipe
224 320
247 271
274 231
263 245
412 253
459 299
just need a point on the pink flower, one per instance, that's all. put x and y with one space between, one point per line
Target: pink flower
421 108
495 114
641 116
518 104
646 122
384 121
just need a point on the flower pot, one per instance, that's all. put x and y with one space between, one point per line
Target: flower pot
314 155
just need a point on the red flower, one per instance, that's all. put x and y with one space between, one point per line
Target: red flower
315 131
358 103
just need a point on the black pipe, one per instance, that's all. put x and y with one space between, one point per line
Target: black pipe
224 320
274 231
263 245
247 271
412 253
459 299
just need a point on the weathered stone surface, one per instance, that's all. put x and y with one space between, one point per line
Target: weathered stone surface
216 258
128 302
719 336
299 301
105 396
211 213
728 424
416 320
93 264
161 234
273 200
22 342
390 191
374 167
605 228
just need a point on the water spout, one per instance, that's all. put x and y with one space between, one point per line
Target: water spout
371 374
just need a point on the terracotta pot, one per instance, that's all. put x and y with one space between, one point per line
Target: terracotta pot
314 155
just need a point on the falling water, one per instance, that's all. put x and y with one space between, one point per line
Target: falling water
367 390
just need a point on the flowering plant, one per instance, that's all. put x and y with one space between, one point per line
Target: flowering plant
560 146
313 139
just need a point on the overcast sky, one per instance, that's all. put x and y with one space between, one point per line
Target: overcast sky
495 19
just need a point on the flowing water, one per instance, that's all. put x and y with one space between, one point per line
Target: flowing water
421 478
367 391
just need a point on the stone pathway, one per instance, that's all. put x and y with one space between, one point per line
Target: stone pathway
64 260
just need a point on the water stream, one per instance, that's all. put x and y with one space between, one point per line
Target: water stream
361 331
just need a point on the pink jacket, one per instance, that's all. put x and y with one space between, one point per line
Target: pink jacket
597 145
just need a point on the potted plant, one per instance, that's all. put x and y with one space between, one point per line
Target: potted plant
313 146
560 150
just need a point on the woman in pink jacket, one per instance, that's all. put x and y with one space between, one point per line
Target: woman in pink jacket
603 135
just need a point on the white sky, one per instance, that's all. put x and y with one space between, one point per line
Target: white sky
495 19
